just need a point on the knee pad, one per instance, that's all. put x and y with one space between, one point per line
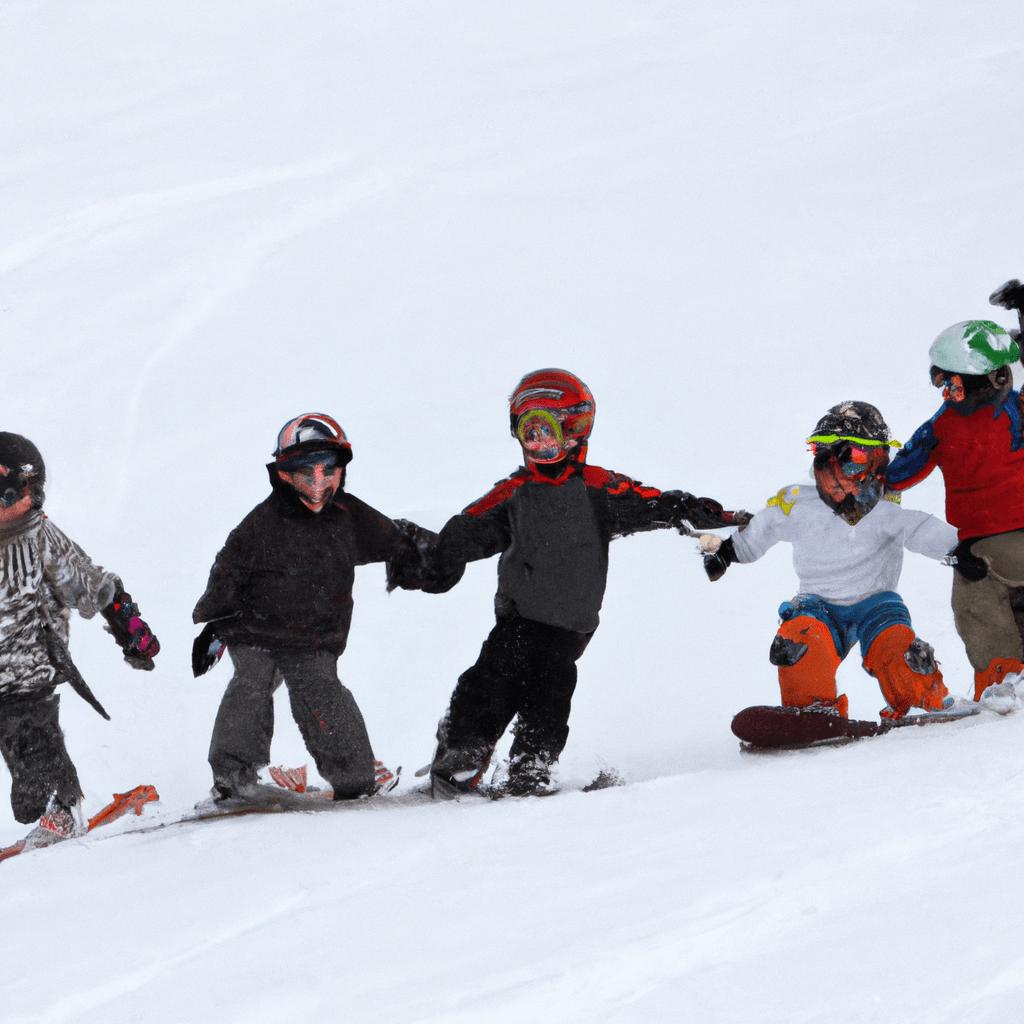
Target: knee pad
806 657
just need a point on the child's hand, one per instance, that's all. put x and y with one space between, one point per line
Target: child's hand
133 636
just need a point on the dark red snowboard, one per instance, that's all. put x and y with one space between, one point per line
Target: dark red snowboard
797 727
771 728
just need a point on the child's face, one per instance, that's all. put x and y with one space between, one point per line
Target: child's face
315 484
11 513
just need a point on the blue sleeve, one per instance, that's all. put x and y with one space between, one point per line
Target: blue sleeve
914 462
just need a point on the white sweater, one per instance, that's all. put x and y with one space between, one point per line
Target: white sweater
843 564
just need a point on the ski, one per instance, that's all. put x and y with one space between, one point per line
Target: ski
42 836
776 728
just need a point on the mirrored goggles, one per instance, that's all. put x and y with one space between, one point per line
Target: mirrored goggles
540 434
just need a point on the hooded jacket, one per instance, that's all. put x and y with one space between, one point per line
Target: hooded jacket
283 580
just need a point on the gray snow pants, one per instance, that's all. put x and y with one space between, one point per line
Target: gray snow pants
324 710
33 749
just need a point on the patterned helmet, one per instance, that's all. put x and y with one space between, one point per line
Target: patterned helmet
551 414
973 347
851 452
311 434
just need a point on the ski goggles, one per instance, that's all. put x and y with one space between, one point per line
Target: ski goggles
540 433
853 455
306 460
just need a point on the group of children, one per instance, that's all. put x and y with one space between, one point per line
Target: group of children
279 597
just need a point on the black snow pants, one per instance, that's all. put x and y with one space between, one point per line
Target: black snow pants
324 710
33 749
525 668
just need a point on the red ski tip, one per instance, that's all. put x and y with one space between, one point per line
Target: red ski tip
122 803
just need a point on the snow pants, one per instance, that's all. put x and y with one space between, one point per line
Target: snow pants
525 668
989 613
33 750
325 711
816 635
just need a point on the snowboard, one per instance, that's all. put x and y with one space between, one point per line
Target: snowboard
777 728
121 804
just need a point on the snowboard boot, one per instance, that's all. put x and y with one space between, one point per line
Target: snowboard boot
528 775
997 669
234 785
454 772
906 670
56 825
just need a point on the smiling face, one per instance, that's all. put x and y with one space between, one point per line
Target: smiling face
315 484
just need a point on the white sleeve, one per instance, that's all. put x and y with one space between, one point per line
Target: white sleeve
927 534
768 527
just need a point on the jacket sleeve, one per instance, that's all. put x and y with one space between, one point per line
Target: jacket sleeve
481 531
927 534
229 575
77 582
634 508
380 539
916 459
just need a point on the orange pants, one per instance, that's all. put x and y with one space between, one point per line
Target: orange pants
812 676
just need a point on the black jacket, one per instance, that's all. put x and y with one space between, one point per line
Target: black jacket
283 580
553 535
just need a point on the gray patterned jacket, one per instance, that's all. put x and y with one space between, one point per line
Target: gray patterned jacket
43 575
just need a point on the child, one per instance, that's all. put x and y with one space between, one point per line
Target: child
43 575
977 439
551 522
280 598
848 553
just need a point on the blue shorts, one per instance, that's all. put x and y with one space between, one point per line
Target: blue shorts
849 623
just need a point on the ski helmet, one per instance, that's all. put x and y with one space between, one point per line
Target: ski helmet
22 466
851 452
309 438
973 347
551 414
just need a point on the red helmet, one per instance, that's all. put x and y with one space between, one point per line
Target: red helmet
309 433
551 414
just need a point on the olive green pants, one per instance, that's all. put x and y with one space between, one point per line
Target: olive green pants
989 614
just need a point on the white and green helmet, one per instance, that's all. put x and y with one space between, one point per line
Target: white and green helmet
973 346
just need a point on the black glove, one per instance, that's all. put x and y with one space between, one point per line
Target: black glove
1009 295
969 565
133 636
700 513
715 564
207 649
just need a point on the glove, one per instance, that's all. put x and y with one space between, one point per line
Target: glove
133 636
718 555
969 565
207 650
690 513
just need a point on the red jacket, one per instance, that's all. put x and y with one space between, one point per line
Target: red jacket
982 461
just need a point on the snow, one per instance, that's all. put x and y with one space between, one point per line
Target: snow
725 219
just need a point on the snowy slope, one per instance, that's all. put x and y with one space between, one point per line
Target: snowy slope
725 219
